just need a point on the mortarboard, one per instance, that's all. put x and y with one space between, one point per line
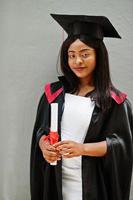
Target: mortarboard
96 27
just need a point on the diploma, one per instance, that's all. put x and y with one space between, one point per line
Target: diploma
54 117
53 135
54 125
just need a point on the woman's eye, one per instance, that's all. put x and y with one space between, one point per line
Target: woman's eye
71 56
85 55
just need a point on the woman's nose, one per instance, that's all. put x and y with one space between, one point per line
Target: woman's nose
78 60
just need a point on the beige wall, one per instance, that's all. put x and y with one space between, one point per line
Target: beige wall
29 45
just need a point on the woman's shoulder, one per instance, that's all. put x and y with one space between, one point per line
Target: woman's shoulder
118 96
53 85
121 99
52 90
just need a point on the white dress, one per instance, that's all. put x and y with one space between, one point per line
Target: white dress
74 125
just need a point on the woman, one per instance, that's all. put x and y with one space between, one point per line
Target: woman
94 151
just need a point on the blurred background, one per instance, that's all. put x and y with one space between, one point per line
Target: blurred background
30 41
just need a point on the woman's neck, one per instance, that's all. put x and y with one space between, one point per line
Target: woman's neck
86 83
85 86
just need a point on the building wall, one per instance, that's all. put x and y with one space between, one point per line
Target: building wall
30 41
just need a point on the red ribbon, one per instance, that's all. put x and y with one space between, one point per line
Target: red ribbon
52 137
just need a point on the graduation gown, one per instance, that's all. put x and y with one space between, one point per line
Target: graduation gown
103 178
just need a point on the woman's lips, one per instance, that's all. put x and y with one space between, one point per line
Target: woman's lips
79 69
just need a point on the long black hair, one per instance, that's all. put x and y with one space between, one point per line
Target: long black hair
102 79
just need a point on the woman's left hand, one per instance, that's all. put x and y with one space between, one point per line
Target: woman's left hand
69 149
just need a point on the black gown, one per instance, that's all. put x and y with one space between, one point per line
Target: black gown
103 178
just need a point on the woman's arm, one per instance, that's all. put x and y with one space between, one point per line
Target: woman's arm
97 149
71 149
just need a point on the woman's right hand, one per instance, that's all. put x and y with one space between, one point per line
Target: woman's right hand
49 152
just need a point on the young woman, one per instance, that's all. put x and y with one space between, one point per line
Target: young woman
94 151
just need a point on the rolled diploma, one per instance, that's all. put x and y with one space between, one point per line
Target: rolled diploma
54 121
54 117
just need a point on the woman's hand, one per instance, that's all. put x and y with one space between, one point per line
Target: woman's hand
49 152
69 149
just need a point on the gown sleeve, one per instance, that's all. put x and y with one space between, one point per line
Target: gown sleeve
37 162
119 158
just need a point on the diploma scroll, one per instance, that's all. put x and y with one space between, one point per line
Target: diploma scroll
54 124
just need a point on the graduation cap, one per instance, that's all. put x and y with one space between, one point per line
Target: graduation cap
96 27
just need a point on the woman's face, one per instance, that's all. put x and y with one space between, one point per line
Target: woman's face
81 59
